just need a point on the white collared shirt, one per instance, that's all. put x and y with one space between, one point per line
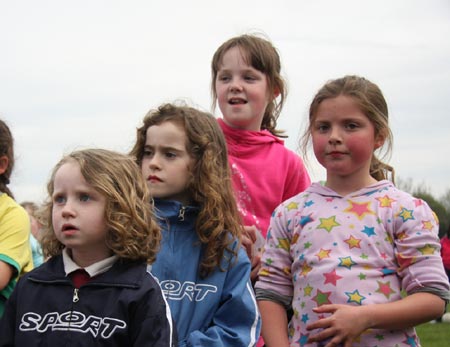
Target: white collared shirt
93 270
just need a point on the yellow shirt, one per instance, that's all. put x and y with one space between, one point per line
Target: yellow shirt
15 247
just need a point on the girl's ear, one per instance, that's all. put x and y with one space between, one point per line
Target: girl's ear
4 161
276 92
379 141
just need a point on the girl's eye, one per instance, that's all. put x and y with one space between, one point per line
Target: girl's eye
85 197
250 78
322 128
170 155
147 153
351 126
59 199
224 78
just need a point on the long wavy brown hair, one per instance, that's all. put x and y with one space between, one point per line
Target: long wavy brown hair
259 53
133 231
218 225
372 103
6 149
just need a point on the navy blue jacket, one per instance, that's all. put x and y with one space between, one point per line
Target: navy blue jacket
122 307
216 311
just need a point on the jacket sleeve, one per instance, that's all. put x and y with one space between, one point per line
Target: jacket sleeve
153 321
8 321
237 321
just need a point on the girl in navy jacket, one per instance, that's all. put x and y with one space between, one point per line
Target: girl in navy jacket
95 290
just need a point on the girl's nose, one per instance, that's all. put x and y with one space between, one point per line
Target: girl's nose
154 162
235 86
335 136
68 210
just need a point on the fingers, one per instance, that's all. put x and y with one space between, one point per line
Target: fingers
250 232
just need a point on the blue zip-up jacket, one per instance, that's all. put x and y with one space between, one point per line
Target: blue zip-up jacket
219 310
123 306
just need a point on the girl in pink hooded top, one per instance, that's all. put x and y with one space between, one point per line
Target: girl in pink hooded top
247 85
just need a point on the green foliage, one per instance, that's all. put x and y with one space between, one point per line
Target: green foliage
440 205
438 208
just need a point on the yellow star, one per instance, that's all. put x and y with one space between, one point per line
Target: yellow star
427 225
292 206
283 243
305 269
323 253
308 290
353 242
328 223
406 214
346 262
355 297
385 201
427 249
264 272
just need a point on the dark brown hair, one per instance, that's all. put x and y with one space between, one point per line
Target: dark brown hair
6 149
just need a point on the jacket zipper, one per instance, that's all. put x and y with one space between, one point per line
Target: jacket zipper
181 213
75 298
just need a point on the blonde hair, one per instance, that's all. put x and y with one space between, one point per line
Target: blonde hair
262 56
133 232
218 224
370 100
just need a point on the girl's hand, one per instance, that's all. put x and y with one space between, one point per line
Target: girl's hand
248 239
344 325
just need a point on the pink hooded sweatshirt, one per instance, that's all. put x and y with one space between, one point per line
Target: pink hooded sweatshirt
264 173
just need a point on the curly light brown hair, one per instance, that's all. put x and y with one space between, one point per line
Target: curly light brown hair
218 224
370 100
259 53
133 231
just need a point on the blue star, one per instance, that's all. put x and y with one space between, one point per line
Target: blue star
368 231
305 220
305 318
303 340
309 203
385 271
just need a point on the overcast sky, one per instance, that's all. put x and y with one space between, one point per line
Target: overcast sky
76 74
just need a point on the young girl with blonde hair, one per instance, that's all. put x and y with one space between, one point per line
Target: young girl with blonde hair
95 290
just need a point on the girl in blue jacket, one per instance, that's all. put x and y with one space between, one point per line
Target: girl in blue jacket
202 268
95 290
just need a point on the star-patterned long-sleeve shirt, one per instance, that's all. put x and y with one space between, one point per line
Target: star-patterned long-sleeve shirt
363 248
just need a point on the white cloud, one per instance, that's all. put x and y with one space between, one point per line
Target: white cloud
80 74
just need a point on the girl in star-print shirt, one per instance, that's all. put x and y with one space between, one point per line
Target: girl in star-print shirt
344 254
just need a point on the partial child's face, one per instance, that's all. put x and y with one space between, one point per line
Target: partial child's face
242 92
166 163
344 138
78 215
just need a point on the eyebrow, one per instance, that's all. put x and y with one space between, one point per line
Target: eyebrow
167 148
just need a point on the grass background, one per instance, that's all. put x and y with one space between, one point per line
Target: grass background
434 335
